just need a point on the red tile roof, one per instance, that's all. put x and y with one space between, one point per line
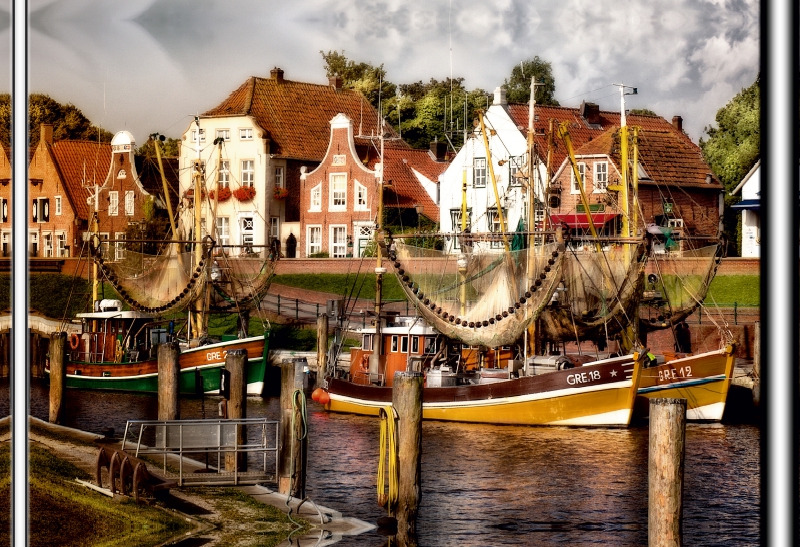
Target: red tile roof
296 115
580 130
79 163
666 157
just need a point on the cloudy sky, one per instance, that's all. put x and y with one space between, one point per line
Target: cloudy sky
148 65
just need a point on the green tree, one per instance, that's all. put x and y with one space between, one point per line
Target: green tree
642 112
67 119
369 80
518 86
170 148
733 146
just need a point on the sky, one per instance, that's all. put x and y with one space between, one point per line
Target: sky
149 65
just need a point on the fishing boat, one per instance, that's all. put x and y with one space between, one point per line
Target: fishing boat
117 348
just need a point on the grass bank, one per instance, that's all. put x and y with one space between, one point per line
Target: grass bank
744 290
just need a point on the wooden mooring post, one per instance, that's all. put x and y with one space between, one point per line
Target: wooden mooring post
407 402
293 449
757 363
58 375
667 450
322 345
168 381
236 364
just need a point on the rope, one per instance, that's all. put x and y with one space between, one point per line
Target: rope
388 447
296 437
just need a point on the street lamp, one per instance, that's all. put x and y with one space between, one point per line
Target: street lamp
419 208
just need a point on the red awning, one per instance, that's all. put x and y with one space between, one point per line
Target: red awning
579 220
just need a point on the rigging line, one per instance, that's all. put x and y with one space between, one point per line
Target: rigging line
587 92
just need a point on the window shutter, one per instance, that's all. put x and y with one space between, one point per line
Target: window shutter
35 211
46 210
5 210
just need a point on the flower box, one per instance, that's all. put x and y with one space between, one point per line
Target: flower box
281 193
244 193
224 194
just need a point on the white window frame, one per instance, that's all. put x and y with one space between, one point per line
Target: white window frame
129 203
415 344
493 223
280 177
360 203
337 246
224 133
479 173
600 177
515 164
33 243
248 173
274 228
316 199
245 133
61 244
223 235
395 345
404 344
104 245
113 203
119 247
573 186
224 175
57 202
202 135
313 239
247 229
47 244
337 196
5 243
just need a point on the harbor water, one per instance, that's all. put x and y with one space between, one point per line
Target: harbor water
497 485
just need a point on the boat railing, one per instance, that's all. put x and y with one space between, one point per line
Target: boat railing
208 452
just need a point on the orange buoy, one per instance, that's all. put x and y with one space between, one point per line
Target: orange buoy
316 393
324 398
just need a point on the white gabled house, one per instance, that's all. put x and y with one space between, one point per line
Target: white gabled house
750 189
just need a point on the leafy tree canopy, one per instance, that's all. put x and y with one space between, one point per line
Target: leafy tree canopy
170 148
67 119
518 86
369 80
642 112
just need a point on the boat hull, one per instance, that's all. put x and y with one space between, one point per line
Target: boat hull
596 394
203 363
703 380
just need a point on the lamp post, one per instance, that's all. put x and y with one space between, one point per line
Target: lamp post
419 208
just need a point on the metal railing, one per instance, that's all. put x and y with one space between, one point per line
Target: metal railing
212 440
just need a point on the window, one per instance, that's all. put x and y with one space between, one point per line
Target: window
246 226
415 344
274 228
280 177
600 176
248 173
202 135
479 173
223 231
6 243
316 198
404 344
313 240
224 175
33 243
47 247
514 167
4 209
367 343
224 134
58 205
493 220
61 244
338 244
455 217
430 344
129 203
113 203
338 194
119 247
104 245
192 163
574 184
246 134
394 343
40 211
361 198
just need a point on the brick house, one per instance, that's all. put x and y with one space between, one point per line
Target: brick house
5 202
338 199
59 175
268 129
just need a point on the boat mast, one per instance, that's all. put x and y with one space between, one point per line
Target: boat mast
197 322
494 182
379 269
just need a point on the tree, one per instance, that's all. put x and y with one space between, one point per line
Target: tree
518 86
170 148
67 119
641 112
733 147
369 80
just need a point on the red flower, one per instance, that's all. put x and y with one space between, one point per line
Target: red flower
224 194
280 193
244 193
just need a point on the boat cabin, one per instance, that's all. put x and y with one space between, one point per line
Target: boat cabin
111 334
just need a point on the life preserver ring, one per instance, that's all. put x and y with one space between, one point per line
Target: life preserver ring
74 340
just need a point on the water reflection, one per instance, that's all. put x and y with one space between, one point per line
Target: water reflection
488 485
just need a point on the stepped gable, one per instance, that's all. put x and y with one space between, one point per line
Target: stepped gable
150 176
666 157
80 162
296 115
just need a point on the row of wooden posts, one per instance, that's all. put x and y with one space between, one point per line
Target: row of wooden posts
666 443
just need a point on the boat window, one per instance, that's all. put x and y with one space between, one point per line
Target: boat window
415 344
404 344
394 343
367 343
430 345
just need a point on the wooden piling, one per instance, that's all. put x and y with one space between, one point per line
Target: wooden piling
58 375
407 402
665 472
757 363
168 381
236 364
322 345
292 456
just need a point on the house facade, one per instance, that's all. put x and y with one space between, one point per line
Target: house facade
5 202
265 131
750 205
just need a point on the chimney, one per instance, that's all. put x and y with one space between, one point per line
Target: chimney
335 81
500 96
276 74
46 132
590 112
438 149
677 122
